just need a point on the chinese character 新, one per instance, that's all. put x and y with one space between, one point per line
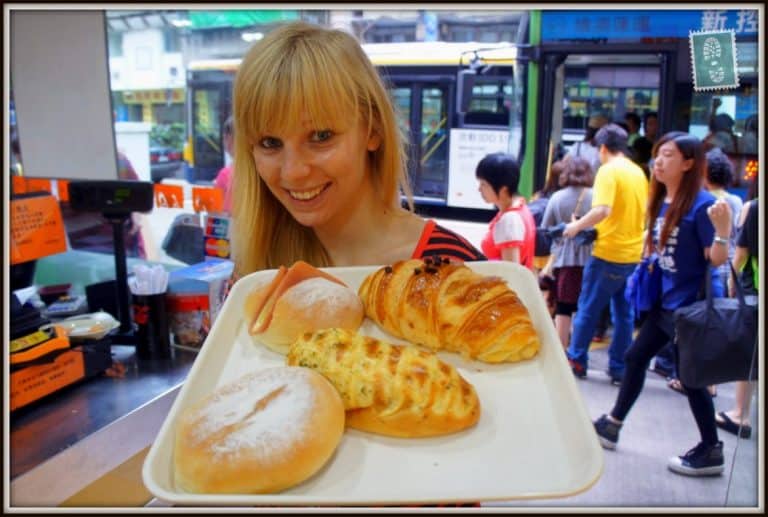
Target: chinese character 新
713 20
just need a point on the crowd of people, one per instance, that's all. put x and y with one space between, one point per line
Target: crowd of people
321 166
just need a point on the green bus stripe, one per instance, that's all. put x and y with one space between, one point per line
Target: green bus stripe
531 112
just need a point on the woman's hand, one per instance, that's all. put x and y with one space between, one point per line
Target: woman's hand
720 215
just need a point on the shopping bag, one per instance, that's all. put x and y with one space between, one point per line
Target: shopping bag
717 338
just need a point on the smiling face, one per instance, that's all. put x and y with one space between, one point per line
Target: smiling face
316 173
669 165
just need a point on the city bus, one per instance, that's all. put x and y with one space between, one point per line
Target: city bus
448 130
532 97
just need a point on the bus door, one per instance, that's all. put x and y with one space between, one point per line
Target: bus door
210 103
424 115
595 87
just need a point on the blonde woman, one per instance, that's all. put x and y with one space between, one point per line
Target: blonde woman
319 160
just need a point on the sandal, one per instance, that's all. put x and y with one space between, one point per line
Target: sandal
724 422
675 385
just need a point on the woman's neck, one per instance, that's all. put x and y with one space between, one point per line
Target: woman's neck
506 202
671 192
371 234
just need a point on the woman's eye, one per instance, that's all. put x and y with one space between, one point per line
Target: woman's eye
269 142
322 135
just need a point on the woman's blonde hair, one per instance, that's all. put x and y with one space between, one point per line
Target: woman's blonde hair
300 70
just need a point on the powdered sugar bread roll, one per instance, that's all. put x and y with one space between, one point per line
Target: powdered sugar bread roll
312 304
262 433
283 307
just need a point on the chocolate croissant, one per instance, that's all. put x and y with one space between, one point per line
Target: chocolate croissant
447 306
389 389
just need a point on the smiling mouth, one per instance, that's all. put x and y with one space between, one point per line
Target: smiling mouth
307 195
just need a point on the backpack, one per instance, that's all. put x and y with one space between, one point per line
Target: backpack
543 239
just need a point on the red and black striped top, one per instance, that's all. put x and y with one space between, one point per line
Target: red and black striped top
437 240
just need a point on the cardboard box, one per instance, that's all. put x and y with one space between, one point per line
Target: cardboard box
195 296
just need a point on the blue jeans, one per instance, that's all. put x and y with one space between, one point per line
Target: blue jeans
603 283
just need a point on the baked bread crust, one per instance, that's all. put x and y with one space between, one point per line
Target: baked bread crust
447 306
262 433
389 389
298 300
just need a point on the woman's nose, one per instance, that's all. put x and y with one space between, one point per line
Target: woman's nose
295 163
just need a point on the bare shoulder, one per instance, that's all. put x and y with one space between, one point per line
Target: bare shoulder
401 236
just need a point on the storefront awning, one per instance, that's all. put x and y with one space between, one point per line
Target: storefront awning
214 19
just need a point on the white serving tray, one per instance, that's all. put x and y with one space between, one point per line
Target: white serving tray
534 438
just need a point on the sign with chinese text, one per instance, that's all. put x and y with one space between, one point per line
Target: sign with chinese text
641 25
713 60
37 229
468 147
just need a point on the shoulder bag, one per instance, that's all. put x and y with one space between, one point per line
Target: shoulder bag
717 338
643 289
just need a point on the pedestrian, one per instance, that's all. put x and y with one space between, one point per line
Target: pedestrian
537 206
689 230
319 160
737 420
512 232
587 148
223 178
719 176
633 122
619 198
568 256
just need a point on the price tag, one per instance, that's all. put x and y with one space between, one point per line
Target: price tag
37 229
169 196
207 199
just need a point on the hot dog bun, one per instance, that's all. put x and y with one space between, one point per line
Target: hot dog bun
263 433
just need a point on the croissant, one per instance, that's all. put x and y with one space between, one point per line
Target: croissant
445 305
389 389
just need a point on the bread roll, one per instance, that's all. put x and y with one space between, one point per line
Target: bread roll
298 300
265 432
389 389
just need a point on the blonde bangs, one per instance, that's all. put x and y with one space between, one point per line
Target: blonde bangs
305 82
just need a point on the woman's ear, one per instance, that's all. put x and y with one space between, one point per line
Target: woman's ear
374 141
688 165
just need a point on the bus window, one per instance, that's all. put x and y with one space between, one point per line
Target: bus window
728 119
434 143
402 99
490 102
207 104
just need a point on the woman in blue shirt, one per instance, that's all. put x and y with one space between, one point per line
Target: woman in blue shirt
690 231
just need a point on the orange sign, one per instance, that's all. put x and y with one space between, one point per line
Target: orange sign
207 199
33 382
22 185
62 186
38 185
19 185
169 196
37 229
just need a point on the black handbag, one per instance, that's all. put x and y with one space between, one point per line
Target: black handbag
185 240
717 338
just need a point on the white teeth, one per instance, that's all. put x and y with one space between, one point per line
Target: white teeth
305 195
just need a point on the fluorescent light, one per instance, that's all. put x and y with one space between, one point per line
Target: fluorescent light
181 23
251 36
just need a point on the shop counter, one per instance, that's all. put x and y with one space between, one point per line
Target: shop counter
71 439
